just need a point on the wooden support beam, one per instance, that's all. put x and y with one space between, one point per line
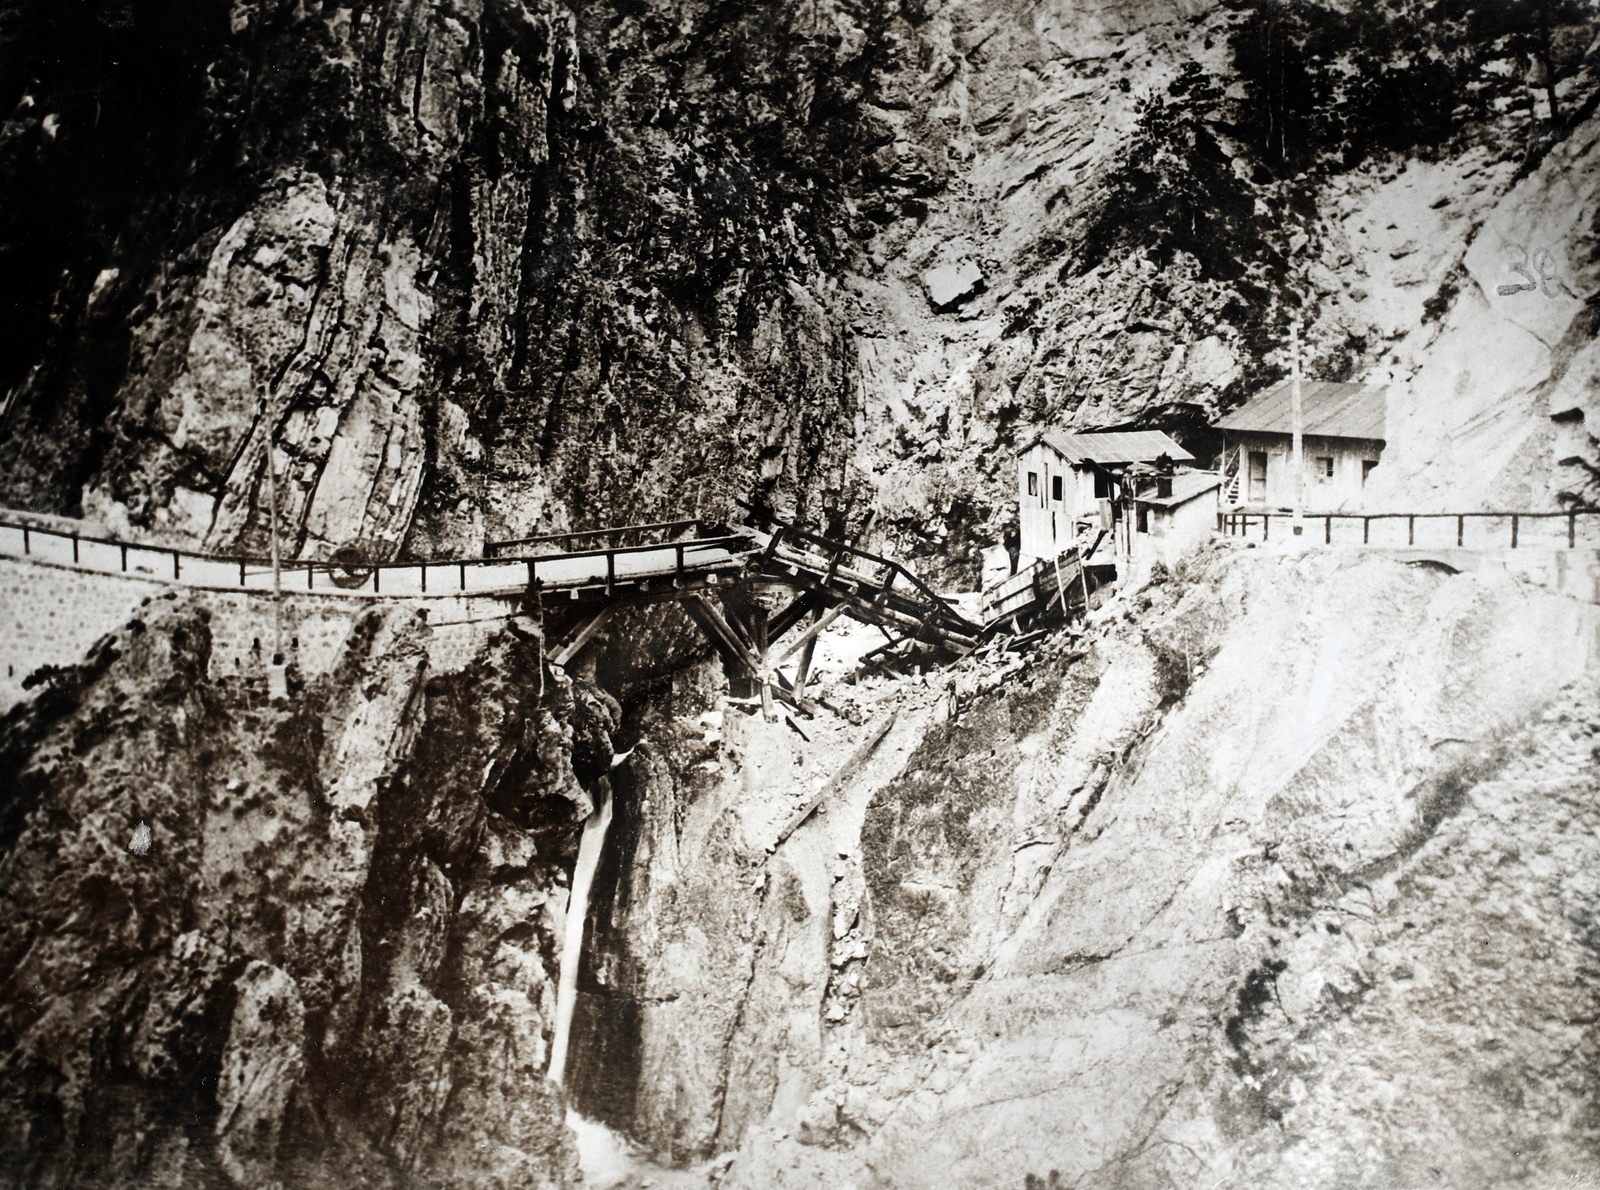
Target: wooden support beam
722 636
571 649
803 669
1061 588
804 603
810 637
758 626
740 631
842 778
884 648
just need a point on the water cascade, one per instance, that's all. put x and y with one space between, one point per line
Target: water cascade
589 849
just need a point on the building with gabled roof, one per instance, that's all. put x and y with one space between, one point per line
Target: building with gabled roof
1344 429
1067 481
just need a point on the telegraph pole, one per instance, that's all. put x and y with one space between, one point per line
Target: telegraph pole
1297 458
277 578
275 671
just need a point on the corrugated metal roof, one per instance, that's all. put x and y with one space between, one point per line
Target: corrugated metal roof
1121 446
1327 409
1186 485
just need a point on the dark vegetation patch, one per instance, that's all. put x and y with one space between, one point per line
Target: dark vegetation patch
931 834
1229 180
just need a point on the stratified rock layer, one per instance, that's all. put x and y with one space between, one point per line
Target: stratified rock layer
463 268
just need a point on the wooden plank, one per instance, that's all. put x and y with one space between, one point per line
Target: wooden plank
721 635
845 775
811 634
570 650
804 604
802 670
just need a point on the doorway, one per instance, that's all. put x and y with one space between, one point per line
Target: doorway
1258 477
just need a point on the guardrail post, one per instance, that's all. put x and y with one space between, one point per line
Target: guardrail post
425 576
74 549
124 559
1266 526
175 564
1411 530
1366 530
1513 530
1572 530
1461 531
1327 530
463 576
377 575
310 572
611 570
677 576
27 541
241 572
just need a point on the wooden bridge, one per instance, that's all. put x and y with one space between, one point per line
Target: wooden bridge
745 586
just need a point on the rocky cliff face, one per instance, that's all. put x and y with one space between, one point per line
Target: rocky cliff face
467 269
1244 883
309 941
476 269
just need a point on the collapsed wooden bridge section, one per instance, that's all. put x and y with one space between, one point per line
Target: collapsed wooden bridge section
746 587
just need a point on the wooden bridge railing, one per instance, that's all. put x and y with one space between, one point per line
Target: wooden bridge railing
107 555
882 574
613 537
1440 530
592 568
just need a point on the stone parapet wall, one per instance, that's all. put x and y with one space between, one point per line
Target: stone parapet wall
52 614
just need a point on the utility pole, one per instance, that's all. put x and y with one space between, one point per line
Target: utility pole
277 577
277 673
1297 458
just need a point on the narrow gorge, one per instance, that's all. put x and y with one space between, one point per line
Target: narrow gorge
1278 866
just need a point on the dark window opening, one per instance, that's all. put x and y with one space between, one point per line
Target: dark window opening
1102 486
1144 518
1324 466
1033 483
1055 487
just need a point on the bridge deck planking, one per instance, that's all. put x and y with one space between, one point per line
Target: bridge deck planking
825 576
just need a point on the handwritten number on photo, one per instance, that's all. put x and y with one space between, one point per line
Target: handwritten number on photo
1542 260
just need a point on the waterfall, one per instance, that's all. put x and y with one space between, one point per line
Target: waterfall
589 848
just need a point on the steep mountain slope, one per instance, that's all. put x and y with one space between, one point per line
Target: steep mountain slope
480 268
1284 876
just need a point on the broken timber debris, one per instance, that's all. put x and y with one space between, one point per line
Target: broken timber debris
840 779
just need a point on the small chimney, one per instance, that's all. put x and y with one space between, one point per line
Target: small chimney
1163 486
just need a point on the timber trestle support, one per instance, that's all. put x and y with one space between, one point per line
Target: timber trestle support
746 588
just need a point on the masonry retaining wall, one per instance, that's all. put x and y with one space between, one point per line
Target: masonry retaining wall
51 614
